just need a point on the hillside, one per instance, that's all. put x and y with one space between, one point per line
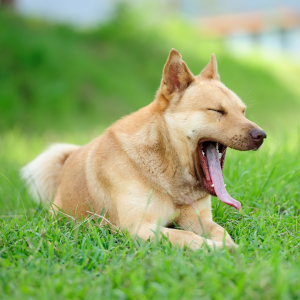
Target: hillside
55 78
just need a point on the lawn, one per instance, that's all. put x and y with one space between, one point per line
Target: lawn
59 85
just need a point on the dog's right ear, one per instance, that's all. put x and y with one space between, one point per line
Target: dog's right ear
211 70
176 75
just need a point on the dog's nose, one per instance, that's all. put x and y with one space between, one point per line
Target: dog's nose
258 136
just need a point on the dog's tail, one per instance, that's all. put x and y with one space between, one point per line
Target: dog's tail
42 175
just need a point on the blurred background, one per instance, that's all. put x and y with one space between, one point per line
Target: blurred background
68 69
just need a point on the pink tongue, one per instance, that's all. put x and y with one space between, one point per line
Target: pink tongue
217 177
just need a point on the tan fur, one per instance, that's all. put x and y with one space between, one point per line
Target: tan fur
144 167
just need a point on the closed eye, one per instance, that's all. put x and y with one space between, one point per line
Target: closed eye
222 112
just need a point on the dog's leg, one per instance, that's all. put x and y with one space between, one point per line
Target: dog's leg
176 237
217 233
147 218
197 217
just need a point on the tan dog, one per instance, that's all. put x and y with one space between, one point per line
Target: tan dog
147 167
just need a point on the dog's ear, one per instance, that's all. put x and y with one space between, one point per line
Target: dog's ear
176 75
211 70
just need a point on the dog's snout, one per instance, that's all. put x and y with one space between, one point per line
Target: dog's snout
258 136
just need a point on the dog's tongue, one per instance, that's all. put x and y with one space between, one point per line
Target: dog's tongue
217 177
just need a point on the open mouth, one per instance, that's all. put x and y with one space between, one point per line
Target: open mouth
212 156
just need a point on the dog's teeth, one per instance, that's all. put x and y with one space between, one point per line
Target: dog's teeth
212 185
220 155
203 153
217 146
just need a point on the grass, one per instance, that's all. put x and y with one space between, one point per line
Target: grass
78 82
43 257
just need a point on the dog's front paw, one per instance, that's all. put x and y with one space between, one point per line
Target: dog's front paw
215 244
231 246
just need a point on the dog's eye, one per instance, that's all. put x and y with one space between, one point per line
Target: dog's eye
222 112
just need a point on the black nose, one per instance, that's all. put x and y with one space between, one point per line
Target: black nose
258 136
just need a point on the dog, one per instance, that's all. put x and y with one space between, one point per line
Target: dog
158 165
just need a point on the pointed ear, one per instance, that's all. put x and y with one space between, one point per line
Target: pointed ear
211 70
176 75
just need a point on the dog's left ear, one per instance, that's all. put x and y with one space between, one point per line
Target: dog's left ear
176 75
211 70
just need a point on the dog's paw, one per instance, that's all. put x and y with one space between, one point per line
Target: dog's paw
214 244
221 245
231 246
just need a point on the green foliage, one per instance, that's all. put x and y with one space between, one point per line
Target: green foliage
54 77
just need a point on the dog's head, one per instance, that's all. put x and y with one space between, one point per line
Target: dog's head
203 114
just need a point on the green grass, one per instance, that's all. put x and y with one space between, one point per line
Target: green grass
43 257
59 85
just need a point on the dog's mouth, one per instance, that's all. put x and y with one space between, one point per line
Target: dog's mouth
212 156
